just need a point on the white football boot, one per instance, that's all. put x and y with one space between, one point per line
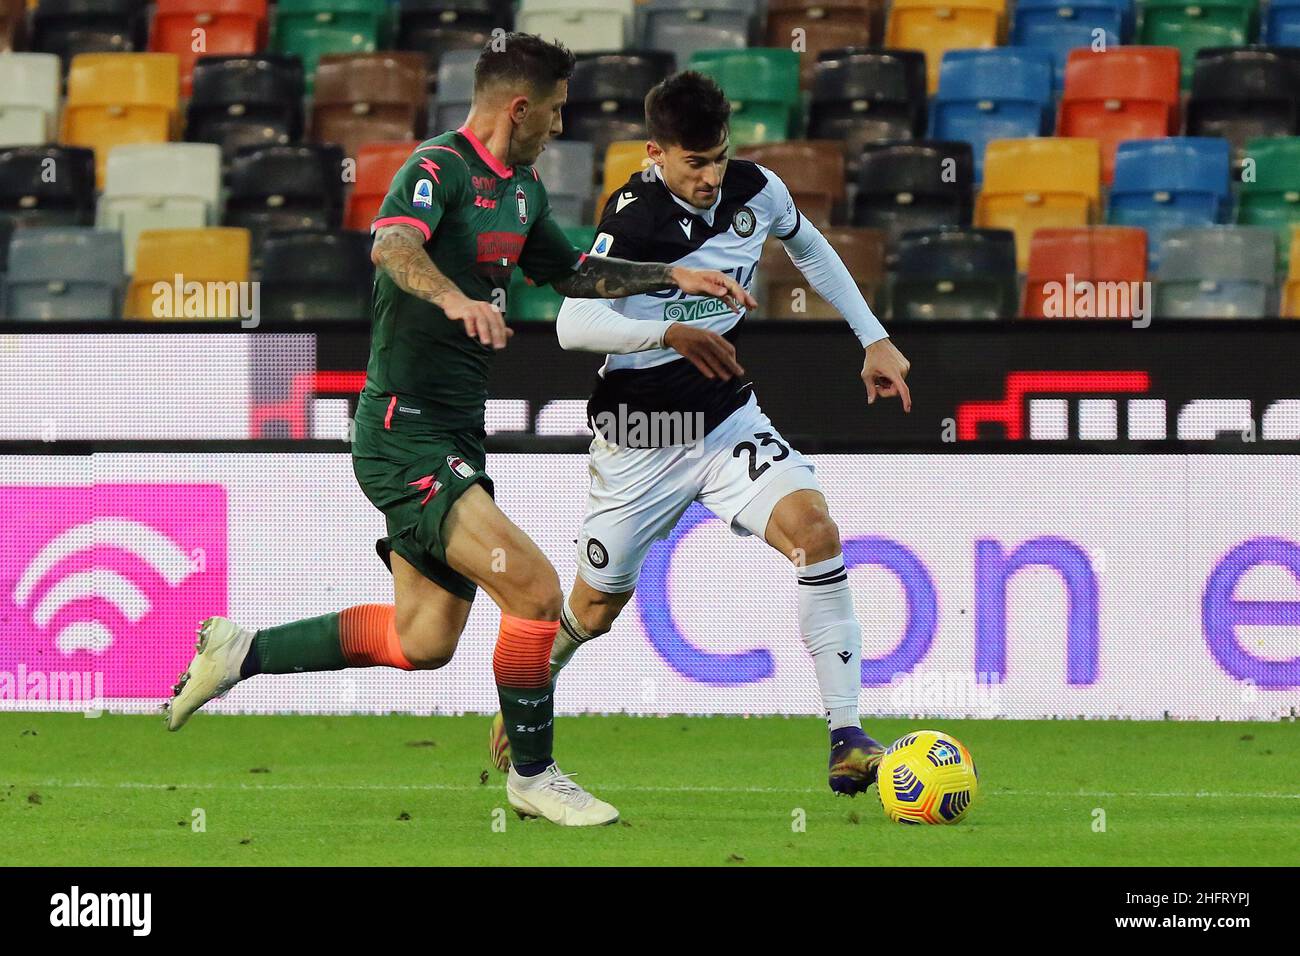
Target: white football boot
553 794
222 647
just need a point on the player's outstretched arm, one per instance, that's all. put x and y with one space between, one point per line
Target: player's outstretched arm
600 277
399 251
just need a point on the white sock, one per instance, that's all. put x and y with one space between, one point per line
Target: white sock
833 637
568 639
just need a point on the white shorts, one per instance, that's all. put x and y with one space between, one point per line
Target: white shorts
638 494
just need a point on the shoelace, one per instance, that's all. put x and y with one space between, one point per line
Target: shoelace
561 783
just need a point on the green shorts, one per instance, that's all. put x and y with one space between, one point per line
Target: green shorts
414 474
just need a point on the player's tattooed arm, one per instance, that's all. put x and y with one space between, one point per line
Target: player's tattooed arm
399 251
600 277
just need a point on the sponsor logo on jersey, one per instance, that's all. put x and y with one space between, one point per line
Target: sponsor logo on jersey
423 195
521 201
699 309
497 253
743 222
626 199
604 242
485 184
482 202
459 466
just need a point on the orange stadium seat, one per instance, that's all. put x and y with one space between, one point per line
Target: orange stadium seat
213 255
1038 183
368 98
377 164
812 169
828 25
622 159
118 98
228 26
1291 294
937 26
1093 254
784 292
1128 92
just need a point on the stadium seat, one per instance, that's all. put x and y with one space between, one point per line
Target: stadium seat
567 169
587 26
6 233
436 28
826 25
1291 297
813 170
1163 184
455 90
47 186
13 23
1032 184
1281 23
377 164
1059 26
526 302
685 26
228 27
1270 190
1124 93
937 26
1190 27
607 95
68 28
216 256
763 86
285 188
29 98
1241 94
955 274
622 159
316 275
993 94
1219 272
914 186
368 98
164 186
867 96
784 293
309 29
120 98
1108 258
245 101
64 273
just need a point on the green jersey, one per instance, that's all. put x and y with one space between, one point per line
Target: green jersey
479 220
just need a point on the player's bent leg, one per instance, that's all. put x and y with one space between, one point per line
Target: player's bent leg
428 619
588 613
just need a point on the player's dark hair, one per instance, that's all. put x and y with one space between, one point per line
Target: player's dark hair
522 58
687 109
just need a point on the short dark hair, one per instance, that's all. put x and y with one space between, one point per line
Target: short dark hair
522 58
688 109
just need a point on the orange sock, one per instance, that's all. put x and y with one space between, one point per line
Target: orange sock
522 657
368 636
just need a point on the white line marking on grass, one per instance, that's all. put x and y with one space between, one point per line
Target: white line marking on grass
634 788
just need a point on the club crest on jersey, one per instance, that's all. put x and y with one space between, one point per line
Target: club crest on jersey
522 203
743 222
459 466
423 195
604 242
597 554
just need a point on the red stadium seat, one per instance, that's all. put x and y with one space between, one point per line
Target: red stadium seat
1093 254
229 26
1128 92
377 164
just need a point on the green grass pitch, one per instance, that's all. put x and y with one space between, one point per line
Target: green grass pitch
727 791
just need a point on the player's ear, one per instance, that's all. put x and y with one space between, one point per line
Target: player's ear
655 153
519 108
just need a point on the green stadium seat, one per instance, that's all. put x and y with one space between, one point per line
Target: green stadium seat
312 28
763 86
1270 189
531 303
1192 26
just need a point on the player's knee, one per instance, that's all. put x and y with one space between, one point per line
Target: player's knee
598 613
817 539
426 645
537 597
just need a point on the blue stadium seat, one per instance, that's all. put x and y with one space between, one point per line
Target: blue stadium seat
1163 184
1281 23
1220 272
64 273
1060 26
1003 93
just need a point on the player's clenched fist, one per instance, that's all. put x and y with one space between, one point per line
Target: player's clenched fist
483 320
709 352
714 283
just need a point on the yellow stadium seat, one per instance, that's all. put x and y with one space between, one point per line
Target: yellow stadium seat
936 26
191 274
623 158
1041 183
1291 294
119 98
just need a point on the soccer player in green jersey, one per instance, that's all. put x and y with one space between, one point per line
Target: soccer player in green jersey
463 212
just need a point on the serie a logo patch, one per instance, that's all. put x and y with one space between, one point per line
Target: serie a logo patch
423 195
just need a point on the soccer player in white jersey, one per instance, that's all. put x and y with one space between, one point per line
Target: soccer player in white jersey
674 353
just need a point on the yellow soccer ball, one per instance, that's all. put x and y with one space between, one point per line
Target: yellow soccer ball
926 777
